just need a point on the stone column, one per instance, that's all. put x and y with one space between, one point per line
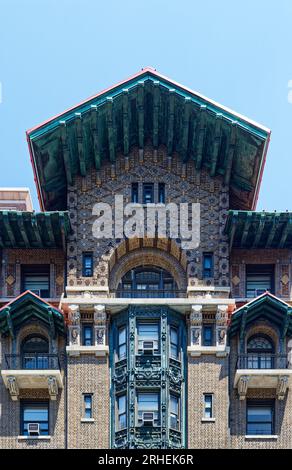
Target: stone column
99 325
196 318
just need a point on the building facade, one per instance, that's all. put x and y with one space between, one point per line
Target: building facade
123 331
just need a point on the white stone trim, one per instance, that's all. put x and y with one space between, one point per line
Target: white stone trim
87 420
217 351
262 436
35 438
98 351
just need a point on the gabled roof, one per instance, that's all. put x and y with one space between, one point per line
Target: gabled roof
148 106
265 306
19 229
248 229
29 306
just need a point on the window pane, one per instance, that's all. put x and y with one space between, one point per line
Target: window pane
148 401
148 330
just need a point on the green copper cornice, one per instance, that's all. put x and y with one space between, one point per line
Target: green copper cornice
26 307
33 230
247 229
153 109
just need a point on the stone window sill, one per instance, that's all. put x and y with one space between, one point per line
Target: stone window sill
208 420
218 351
34 438
87 420
98 351
261 436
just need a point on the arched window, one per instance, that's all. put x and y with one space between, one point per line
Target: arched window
34 351
260 351
147 282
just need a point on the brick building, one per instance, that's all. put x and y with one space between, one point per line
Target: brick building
148 340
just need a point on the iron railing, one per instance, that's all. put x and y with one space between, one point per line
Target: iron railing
149 294
32 361
262 361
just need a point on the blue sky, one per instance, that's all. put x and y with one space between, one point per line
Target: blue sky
55 53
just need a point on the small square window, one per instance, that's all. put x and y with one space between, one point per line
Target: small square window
207 335
87 335
148 193
87 264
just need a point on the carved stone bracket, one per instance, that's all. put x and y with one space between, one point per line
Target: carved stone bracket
74 325
221 325
53 388
282 386
13 387
100 325
243 386
196 319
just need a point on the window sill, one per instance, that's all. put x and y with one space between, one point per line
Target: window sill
101 350
87 420
261 436
208 420
34 438
218 351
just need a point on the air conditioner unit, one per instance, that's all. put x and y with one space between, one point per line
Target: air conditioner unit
148 418
148 347
33 429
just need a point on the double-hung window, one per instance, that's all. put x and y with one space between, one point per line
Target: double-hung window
37 414
87 397
174 412
207 335
122 411
174 343
122 343
260 418
148 193
148 338
148 408
208 406
36 278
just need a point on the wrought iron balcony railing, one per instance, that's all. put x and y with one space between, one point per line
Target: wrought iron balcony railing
32 361
149 294
262 361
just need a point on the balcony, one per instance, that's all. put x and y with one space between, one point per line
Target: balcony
32 371
149 294
262 371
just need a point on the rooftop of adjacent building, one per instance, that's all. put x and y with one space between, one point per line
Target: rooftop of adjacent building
18 199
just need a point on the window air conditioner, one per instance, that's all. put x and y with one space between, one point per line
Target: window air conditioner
33 429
